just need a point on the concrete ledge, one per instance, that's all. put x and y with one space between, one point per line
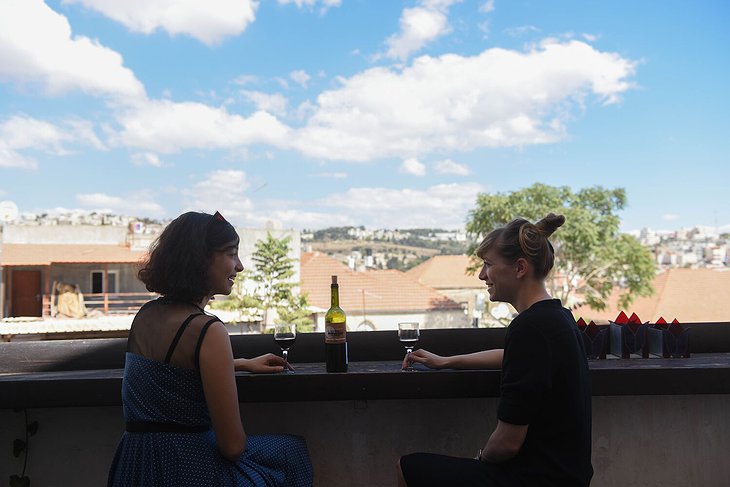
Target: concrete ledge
701 374
89 372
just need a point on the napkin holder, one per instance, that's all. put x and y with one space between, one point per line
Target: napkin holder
629 340
595 339
668 340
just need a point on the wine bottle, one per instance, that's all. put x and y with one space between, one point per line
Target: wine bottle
335 332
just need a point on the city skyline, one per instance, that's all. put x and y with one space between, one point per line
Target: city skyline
322 113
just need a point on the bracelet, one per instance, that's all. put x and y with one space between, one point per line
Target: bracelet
479 456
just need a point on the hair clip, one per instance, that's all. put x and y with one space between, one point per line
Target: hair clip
219 217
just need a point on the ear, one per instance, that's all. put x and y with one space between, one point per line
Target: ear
522 266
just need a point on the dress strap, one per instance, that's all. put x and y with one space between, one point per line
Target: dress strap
200 340
178 335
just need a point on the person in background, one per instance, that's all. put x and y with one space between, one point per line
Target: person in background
183 424
543 432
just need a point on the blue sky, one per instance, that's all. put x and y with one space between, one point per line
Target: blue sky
316 113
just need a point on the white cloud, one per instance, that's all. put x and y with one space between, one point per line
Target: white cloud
208 21
285 214
312 3
11 158
138 203
147 159
224 191
245 79
165 127
273 103
37 46
521 30
300 77
413 167
447 166
484 28
499 98
305 109
487 7
333 175
419 26
670 217
22 133
444 205
227 191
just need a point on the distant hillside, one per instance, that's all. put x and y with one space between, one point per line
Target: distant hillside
385 249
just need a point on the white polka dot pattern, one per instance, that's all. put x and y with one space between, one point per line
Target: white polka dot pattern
157 392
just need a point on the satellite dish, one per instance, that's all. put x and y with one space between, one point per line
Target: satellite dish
8 211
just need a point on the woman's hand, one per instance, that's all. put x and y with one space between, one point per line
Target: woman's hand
263 364
430 360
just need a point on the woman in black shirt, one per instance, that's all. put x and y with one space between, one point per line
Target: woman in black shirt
543 433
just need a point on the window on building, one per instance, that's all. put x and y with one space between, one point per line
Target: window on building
97 282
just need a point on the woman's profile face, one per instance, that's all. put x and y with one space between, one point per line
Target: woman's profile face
499 275
224 266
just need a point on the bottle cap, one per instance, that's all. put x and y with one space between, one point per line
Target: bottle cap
334 279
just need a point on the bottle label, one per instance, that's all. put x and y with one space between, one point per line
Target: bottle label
335 333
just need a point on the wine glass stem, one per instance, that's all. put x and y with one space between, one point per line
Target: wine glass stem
286 355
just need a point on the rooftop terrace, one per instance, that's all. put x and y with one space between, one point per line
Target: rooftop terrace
656 421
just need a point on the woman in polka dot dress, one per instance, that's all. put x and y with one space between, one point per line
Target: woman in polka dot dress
183 425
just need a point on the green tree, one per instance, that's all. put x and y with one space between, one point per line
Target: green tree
273 289
592 255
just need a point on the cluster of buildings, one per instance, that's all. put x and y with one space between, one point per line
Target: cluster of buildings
694 248
380 235
82 269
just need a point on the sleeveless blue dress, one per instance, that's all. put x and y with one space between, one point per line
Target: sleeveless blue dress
170 442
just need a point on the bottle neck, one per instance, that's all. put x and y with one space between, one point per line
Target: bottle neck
335 296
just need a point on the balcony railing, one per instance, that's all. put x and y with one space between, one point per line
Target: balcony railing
105 304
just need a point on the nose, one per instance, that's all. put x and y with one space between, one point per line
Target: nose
483 273
239 265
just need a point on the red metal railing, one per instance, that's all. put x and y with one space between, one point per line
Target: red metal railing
106 303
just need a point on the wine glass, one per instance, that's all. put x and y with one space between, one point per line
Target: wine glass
285 335
408 335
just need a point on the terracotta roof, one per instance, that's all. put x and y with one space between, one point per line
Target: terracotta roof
373 291
446 272
47 254
689 295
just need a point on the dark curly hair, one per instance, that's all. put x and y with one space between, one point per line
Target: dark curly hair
520 238
177 263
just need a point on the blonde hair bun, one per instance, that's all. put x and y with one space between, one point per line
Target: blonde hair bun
550 223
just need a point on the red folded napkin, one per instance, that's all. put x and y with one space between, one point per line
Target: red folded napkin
621 319
634 322
675 328
592 330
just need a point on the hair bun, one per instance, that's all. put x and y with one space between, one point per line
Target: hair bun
550 223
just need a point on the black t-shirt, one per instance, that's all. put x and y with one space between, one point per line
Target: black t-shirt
546 385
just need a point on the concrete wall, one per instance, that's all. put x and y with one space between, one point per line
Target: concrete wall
65 234
431 319
667 441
